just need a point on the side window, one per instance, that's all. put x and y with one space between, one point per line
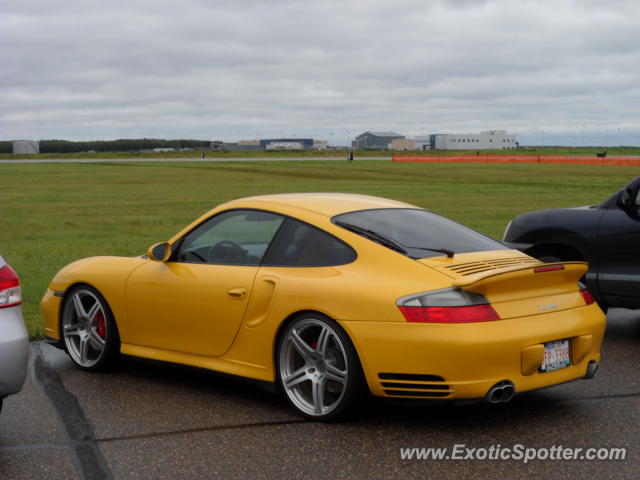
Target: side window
236 237
300 244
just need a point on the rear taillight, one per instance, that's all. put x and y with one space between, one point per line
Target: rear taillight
586 294
10 294
548 268
450 305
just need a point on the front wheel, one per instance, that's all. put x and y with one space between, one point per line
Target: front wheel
318 368
89 330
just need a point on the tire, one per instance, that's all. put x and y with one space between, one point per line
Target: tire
318 368
89 330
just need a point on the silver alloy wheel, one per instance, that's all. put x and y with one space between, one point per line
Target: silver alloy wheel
313 367
84 327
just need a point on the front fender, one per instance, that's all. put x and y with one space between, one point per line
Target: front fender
106 274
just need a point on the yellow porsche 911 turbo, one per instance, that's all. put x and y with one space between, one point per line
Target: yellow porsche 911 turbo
325 295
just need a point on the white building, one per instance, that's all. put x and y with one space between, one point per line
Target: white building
23 147
285 146
491 139
423 142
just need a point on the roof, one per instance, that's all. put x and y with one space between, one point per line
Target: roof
385 134
328 204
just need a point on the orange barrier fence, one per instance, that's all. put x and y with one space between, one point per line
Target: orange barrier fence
553 159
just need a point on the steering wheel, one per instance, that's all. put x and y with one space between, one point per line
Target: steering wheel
226 251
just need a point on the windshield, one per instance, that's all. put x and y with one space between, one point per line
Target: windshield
418 232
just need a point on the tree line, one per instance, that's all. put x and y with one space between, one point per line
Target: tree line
122 145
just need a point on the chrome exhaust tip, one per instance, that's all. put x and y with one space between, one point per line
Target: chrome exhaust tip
501 392
592 368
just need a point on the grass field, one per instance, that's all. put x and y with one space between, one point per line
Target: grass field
52 214
572 151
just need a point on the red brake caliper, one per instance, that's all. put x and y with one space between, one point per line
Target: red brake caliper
314 344
102 328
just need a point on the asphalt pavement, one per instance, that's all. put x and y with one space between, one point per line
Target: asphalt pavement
149 421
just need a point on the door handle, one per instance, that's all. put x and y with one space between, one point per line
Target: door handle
237 292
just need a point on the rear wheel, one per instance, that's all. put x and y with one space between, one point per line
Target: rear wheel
89 330
318 368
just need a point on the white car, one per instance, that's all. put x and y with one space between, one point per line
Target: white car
14 341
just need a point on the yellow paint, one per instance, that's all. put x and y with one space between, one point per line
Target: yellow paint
580 347
532 357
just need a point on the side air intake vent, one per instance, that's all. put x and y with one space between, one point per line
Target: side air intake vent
414 385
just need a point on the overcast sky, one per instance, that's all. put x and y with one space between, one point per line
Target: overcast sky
546 70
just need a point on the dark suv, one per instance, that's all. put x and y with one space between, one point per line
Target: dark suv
606 235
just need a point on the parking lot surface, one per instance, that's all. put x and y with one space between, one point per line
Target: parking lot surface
146 420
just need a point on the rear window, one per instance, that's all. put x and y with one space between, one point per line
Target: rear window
298 244
417 231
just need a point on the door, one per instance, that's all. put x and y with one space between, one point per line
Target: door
619 252
195 302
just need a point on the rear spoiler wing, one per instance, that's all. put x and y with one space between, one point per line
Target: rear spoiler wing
535 276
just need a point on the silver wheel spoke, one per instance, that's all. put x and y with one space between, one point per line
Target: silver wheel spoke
318 395
77 305
301 346
97 342
295 378
71 328
84 349
93 311
323 341
335 374
71 331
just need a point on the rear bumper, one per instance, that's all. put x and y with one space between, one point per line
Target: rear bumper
14 351
463 361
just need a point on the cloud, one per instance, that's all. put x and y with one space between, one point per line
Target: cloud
231 70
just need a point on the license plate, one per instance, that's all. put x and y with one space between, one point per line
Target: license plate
556 356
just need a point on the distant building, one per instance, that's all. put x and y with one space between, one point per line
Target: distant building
319 144
491 139
249 142
423 142
305 142
164 149
23 147
238 147
285 146
403 144
376 140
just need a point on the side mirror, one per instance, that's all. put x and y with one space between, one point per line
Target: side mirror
624 198
160 252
